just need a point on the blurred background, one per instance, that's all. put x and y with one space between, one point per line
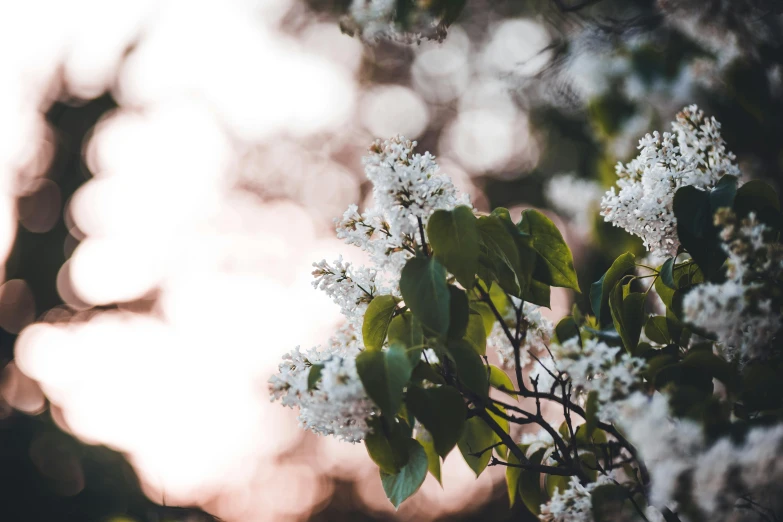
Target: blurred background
169 171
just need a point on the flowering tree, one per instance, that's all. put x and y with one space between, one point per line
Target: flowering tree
667 398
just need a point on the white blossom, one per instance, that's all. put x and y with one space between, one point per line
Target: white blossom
726 310
592 365
667 445
574 504
536 340
740 311
693 154
349 287
727 471
339 405
407 188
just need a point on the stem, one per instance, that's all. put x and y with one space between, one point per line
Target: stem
505 438
517 360
423 241
638 509
608 428
567 404
651 284
541 468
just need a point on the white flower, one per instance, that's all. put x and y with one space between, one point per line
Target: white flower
574 504
407 188
726 471
536 441
740 311
338 405
694 154
725 310
595 366
668 446
351 288
536 340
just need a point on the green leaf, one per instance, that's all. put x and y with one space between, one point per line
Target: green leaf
408 480
497 296
527 254
664 292
713 365
627 316
425 372
377 319
667 277
538 293
502 422
546 239
512 476
470 367
405 329
433 460
386 444
684 275
566 329
601 289
384 374
554 483
476 333
525 483
476 437
591 413
500 380
607 501
656 363
657 329
459 311
695 228
441 411
487 317
424 289
499 254
530 484
723 193
759 197
314 375
454 238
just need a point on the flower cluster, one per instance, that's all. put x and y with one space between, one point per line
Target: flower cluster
721 475
338 405
665 442
574 504
351 288
407 190
693 154
407 186
594 366
744 311
654 427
